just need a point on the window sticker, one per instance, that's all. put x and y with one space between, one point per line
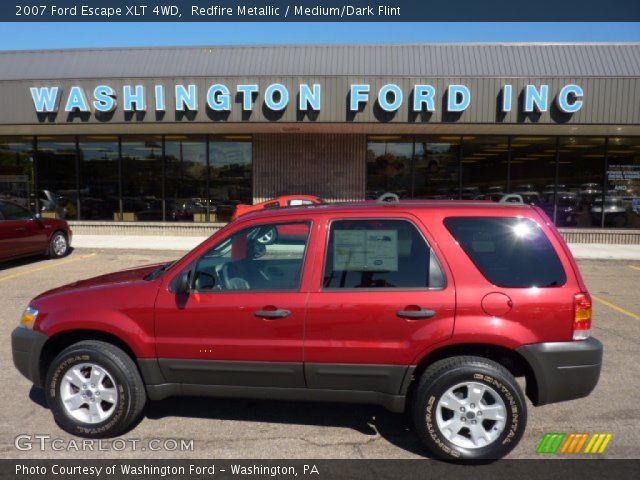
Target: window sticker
365 250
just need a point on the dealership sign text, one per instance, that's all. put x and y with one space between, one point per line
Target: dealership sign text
277 97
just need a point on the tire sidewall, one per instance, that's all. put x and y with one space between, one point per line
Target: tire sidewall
109 427
514 426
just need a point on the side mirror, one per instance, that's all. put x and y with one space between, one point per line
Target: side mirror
183 284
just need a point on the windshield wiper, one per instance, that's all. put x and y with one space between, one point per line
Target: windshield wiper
158 272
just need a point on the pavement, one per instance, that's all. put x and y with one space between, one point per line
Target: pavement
177 243
274 429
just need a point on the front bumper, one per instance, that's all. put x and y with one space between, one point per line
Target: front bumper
562 370
26 345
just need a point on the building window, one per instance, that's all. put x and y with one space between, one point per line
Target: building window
622 200
420 167
533 168
580 178
485 167
186 192
99 180
389 166
17 179
58 177
230 160
437 167
142 182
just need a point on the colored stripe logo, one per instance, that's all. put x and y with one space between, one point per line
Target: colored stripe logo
574 443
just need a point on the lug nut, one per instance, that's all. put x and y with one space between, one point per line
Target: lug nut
463 419
462 409
93 385
479 414
473 405
473 422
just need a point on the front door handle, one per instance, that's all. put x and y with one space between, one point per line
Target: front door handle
21 229
272 313
417 314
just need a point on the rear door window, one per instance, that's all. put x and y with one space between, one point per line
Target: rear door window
510 252
381 253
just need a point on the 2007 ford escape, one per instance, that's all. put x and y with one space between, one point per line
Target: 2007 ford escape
432 306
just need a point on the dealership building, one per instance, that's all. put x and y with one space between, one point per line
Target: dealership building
124 138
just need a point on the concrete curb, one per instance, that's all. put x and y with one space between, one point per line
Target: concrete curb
184 244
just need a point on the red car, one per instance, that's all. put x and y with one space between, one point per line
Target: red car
283 232
23 234
279 202
432 306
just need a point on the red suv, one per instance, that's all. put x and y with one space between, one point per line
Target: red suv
432 306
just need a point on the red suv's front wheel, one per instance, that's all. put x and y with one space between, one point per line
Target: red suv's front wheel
94 389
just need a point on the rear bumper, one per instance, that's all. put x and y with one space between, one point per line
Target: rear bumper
26 346
562 370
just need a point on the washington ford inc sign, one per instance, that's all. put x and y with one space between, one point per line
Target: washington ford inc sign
306 97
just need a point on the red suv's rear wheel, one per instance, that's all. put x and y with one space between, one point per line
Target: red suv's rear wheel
469 408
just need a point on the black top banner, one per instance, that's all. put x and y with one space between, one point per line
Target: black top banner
319 11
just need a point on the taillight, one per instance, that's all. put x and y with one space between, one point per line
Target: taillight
581 316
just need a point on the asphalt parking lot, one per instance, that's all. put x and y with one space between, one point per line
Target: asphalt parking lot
269 429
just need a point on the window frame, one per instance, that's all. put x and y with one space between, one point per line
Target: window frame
194 264
434 254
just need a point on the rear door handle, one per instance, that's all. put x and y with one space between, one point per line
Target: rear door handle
273 313
417 314
21 229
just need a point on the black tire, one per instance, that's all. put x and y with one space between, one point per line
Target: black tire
446 374
53 251
131 394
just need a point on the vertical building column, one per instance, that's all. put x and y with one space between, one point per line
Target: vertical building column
332 166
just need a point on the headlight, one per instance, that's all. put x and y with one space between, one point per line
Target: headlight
29 317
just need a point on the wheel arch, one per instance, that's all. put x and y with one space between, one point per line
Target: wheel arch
58 342
515 363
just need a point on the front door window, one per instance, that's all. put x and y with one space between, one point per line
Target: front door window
267 257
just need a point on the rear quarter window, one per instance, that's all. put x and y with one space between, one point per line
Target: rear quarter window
510 252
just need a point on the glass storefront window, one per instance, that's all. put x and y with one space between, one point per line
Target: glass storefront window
17 180
533 169
142 185
231 167
485 165
622 200
436 167
186 178
580 176
57 177
99 185
389 166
